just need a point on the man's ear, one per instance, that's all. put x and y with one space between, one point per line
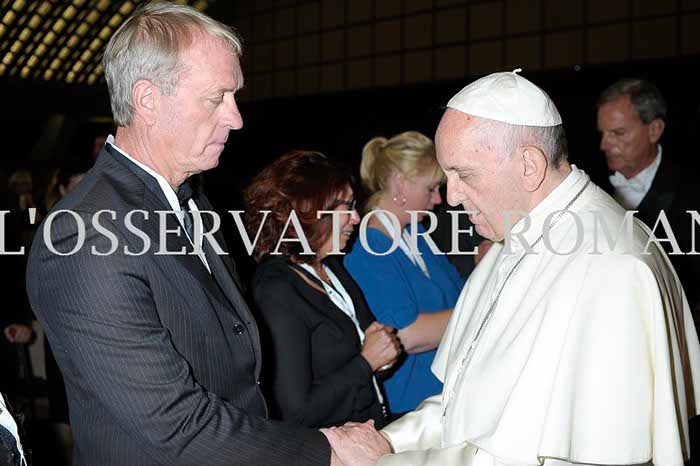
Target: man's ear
534 167
656 129
144 97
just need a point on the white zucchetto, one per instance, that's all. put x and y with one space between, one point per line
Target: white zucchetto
509 98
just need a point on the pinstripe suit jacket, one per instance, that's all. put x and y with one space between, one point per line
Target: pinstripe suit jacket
160 358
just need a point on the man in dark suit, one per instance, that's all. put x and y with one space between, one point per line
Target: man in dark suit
159 351
631 121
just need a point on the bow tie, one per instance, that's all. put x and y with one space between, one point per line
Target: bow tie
184 193
619 181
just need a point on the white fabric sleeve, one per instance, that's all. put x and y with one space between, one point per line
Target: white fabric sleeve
419 429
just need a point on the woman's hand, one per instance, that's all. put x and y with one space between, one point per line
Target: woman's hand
381 346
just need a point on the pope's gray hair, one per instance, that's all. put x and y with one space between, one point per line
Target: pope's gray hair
506 139
149 46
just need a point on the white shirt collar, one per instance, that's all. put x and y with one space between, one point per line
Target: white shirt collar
630 192
168 190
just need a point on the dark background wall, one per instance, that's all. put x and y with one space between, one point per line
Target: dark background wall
328 75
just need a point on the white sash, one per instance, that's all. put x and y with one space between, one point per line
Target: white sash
404 241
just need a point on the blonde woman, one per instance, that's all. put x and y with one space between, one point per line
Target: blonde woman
413 292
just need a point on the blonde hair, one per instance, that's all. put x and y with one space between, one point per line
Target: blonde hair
410 153
149 46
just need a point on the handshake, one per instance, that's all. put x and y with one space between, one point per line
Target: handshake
356 444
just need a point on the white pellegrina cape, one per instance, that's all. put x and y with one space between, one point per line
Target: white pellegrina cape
589 356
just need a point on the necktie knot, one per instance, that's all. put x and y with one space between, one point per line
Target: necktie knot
184 193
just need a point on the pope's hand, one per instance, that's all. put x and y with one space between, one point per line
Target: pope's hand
358 444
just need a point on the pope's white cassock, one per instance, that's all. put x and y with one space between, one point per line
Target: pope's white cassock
587 357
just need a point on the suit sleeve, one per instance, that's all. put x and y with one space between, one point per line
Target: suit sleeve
100 313
302 398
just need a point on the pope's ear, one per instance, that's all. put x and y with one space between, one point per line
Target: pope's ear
144 97
656 129
534 167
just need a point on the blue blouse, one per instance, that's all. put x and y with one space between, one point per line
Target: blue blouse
397 291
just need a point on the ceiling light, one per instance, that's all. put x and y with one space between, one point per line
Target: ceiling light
44 8
9 17
105 33
103 5
49 37
92 17
82 29
25 34
48 74
116 20
59 25
126 8
34 22
7 59
69 13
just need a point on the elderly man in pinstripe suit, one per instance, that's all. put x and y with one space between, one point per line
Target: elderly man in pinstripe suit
160 353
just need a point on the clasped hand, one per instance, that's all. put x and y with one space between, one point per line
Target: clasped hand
381 346
356 444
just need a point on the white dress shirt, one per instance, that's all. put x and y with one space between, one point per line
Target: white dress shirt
170 195
630 192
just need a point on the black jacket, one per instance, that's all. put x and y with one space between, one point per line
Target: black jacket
674 190
313 369
161 358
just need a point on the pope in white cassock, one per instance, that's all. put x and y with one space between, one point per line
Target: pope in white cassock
572 341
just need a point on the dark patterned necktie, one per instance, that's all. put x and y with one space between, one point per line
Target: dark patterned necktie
184 194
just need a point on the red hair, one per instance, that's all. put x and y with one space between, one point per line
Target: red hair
304 182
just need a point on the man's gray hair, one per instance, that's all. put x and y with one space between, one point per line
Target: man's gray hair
645 97
149 46
506 139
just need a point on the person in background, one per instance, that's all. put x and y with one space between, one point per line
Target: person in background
325 346
647 178
413 292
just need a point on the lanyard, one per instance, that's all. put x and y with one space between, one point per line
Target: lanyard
338 295
342 300
404 241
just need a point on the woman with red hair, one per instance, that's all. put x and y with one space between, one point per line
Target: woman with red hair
324 344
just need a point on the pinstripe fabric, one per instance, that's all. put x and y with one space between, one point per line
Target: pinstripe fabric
155 372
